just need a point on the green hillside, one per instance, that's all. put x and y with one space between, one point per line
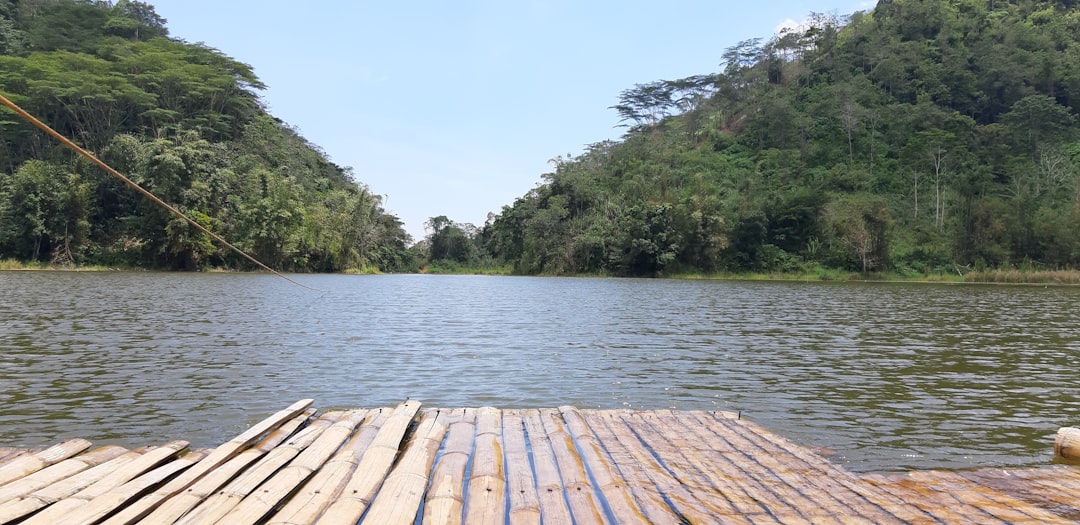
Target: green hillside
924 136
185 121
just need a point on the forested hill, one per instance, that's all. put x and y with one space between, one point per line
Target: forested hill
921 136
185 121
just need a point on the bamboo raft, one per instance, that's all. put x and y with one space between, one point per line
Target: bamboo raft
552 466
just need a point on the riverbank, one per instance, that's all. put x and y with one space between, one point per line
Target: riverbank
993 276
997 276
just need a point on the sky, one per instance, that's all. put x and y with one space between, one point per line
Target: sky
456 108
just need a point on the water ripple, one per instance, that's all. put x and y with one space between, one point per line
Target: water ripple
891 376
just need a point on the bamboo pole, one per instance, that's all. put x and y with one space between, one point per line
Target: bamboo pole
212 461
807 486
62 470
704 463
761 468
1051 479
1043 487
170 502
93 511
45 496
833 477
549 487
59 511
371 471
9 453
398 500
486 501
27 464
579 493
1004 508
612 486
523 500
675 459
326 485
222 501
286 481
1067 444
938 506
660 489
640 487
445 501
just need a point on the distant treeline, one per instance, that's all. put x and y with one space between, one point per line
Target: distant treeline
183 120
924 136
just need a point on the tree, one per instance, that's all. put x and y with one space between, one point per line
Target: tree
12 40
450 241
1037 121
860 226
931 150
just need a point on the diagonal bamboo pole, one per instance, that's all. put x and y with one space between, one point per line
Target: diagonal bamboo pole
78 149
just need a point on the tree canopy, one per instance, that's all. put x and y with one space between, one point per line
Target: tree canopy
183 120
922 136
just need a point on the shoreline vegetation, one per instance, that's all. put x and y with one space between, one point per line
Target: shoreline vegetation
1023 276
898 143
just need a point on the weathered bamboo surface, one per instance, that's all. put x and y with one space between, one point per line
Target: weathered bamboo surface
552 466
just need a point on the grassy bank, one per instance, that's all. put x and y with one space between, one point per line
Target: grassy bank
822 274
12 264
1014 276
815 274
452 268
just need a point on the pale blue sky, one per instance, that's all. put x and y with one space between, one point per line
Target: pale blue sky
455 108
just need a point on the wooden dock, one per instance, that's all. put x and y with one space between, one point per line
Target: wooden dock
552 466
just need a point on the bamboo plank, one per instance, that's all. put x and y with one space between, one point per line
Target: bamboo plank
399 499
445 501
671 454
941 506
582 499
45 496
1067 479
287 480
27 464
9 453
486 501
370 473
806 484
224 500
1002 507
52 474
832 476
712 466
1042 489
213 460
656 489
610 483
93 511
60 511
522 496
796 482
639 488
554 508
326 485
172 501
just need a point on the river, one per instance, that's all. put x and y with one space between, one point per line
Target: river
886 376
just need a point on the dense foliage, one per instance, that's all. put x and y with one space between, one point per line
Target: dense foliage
183 120
923 136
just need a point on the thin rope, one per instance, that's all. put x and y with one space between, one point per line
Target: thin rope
65 141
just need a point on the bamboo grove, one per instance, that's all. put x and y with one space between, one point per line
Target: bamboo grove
923 136
183 120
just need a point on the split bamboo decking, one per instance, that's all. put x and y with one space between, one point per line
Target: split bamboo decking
552 466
